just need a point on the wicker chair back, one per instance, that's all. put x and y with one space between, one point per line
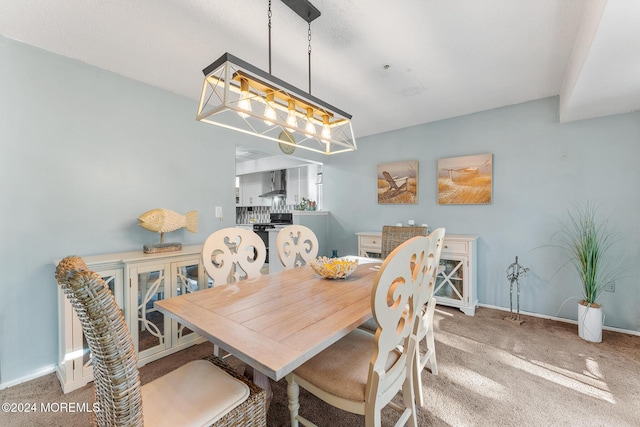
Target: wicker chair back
393 236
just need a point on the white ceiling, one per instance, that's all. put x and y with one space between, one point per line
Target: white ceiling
445 58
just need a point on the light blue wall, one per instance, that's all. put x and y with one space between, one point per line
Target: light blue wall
540 169
83 152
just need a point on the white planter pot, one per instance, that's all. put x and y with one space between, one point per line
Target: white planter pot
590 323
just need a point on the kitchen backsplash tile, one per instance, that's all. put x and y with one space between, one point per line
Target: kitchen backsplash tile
259 214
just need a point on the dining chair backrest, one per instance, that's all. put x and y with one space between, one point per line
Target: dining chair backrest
297 246
424 326
436 241
395 302
232 254
115 364
393 235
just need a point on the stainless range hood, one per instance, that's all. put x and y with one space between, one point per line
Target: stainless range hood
278 184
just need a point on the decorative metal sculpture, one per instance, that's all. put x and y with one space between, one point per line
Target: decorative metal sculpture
514 271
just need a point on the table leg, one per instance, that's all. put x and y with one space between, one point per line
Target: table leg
262 381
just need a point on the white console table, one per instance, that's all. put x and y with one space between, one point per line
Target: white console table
370 244
456 284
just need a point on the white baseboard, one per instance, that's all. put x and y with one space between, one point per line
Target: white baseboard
39 373
560 319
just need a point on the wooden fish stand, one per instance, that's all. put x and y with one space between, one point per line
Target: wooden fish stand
156 248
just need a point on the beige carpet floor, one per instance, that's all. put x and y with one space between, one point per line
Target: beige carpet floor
491 373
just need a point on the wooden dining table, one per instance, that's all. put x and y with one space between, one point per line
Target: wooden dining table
276 322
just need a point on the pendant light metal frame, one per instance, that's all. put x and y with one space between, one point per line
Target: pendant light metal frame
221 95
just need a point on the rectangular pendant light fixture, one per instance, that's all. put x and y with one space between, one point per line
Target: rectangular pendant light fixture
239 96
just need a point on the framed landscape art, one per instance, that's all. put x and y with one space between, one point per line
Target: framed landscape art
398 182
465 180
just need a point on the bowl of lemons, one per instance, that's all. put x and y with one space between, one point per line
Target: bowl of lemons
334 268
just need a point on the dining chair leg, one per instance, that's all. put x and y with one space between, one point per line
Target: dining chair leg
417 378
216 350
408 389
409 401
421 360
373 417
293 391
431 345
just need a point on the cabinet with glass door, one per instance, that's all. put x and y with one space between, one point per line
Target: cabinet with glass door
136 280
74 368
154 334
456 283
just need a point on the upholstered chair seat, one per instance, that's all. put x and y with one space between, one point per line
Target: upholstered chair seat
343 369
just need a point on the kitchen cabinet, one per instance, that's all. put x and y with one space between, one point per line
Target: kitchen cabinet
301 182
297 185
456 283
251 186
137 280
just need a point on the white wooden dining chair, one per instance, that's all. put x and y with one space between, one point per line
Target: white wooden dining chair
232 254
297 245
363 372
425 322
200 392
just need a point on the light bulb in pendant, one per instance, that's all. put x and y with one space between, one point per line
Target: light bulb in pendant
269 110
244 103
309 128
292 120
326 130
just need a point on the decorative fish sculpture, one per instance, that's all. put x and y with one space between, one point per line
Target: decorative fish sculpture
165 220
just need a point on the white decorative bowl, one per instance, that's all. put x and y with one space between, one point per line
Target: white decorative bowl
333 268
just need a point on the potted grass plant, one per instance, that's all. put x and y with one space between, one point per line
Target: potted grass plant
587 243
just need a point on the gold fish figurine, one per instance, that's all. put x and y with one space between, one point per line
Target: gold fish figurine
165 220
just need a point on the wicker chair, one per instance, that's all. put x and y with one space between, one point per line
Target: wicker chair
393 235
363 372
197 393
297 245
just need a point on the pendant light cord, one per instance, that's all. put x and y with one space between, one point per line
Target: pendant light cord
269 15
309 52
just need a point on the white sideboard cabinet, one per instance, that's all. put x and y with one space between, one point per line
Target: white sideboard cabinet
456 283
137 280
370 244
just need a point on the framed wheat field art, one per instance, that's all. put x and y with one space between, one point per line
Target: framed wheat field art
465 180
398 182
